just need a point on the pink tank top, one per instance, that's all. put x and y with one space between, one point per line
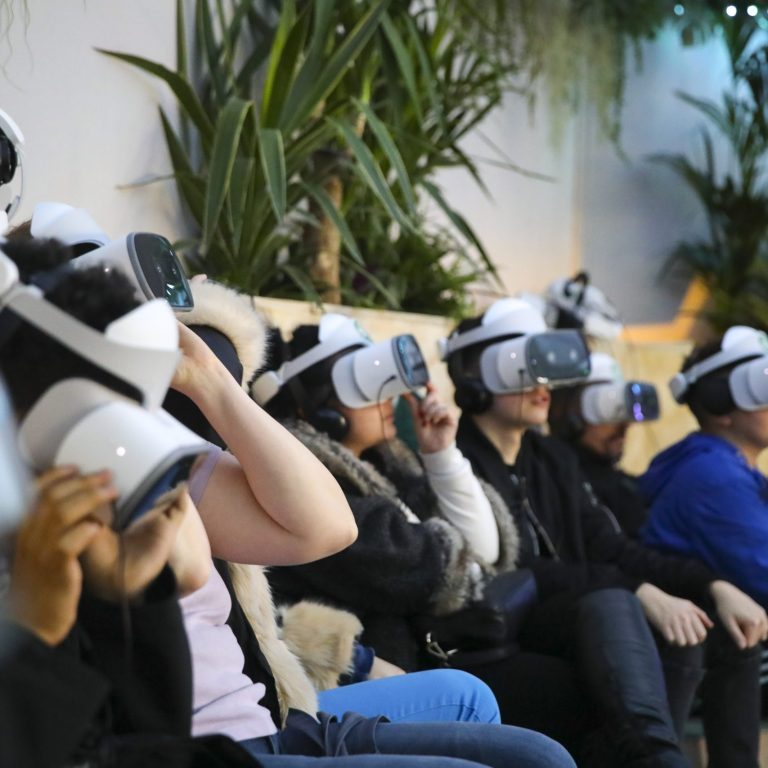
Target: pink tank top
224 699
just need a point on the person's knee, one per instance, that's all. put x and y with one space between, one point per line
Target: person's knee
472 694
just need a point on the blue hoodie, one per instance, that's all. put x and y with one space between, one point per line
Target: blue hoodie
707 502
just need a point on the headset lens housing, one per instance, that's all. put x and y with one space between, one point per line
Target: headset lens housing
410 361
159 265
557 357
642 401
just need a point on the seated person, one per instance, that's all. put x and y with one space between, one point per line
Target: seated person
707 498
271 519
595 582
427 545
593 417
66 694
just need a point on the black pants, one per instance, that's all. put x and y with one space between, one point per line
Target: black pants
730 695
538 692
606 638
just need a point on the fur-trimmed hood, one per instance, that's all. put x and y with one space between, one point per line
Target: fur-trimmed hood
399 462
314 648
234 315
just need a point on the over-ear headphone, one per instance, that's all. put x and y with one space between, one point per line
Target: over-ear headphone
713 394
324 419
471 395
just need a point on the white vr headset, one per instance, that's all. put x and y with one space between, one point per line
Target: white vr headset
146 259
141 347
587 305
534 356
11 165
14 478
609 399
369 373
748 382
82 423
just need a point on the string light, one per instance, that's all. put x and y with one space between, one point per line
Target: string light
679 9
730 11
752 10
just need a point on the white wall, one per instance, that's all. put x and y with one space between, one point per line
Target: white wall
618 216
91 124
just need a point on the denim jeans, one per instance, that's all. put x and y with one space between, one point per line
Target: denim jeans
432 745
439 695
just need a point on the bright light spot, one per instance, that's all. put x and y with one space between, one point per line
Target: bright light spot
120 451
513 355
752 10
730 11
679 9
377 362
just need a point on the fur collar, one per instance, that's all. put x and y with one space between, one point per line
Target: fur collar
398 459
234 315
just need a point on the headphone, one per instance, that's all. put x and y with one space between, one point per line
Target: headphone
713 394
470 395
324 419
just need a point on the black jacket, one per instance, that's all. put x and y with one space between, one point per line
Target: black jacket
398 569
568 538
71 701
614 488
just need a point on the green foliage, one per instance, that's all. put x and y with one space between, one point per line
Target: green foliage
285 97
733 261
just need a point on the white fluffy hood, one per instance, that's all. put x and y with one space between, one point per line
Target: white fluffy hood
234 315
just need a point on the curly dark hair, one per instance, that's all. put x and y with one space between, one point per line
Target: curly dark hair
315 386
30 360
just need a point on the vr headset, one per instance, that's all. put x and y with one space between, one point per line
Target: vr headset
11 155
368 373
14 478
608 398
80 422
747 384
147 259
574 303
141 347
526 354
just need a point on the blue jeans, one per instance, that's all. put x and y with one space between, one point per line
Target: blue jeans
439 695
433 745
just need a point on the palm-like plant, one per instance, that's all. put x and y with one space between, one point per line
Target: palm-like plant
280 145
733 261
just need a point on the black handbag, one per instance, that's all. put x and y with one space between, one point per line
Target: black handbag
485 630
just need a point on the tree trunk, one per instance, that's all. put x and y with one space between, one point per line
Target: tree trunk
325 267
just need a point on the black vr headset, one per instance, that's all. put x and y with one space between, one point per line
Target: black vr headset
519 354
147 259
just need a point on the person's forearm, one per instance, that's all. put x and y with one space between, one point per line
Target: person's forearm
292 487
462 501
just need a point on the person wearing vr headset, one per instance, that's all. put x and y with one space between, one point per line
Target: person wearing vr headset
235 332
503 365
429 538
71 691
707 500
593 417
219 482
